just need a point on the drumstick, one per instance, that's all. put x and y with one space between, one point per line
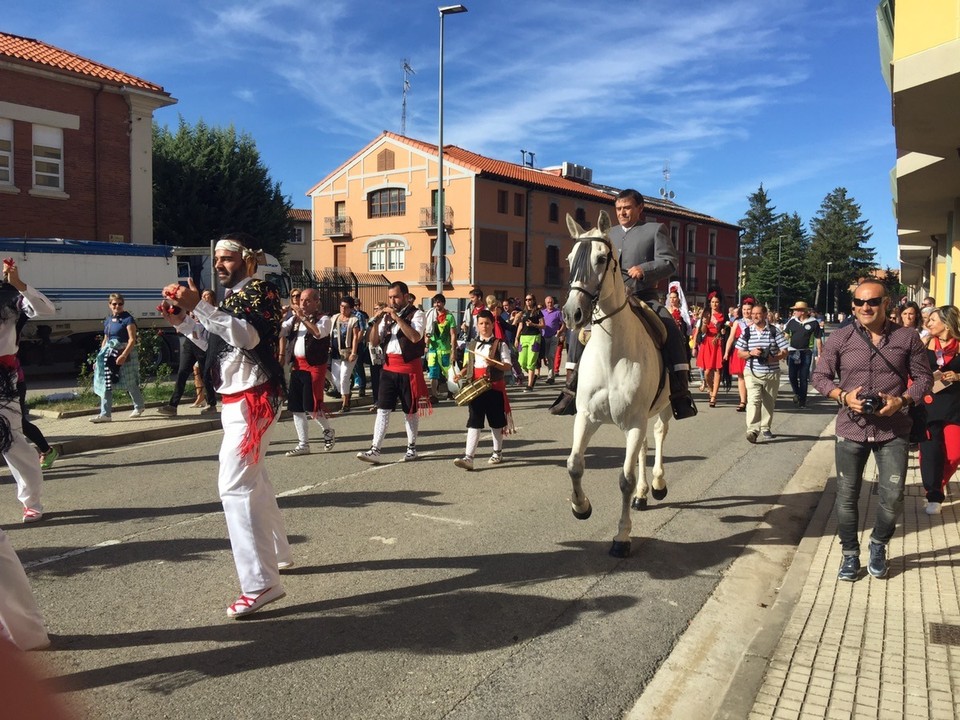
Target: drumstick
498 363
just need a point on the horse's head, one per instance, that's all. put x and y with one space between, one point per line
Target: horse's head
589 261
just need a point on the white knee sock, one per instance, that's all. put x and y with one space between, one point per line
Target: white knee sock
302 425
497 434
323 422
412 423
473 439
380 426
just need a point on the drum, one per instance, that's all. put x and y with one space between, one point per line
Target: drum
471 391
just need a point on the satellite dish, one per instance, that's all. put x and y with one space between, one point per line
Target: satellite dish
663 192
671 195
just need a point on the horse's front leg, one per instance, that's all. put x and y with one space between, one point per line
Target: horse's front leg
660 429
583 430
628 485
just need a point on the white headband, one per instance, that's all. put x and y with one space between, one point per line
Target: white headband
234 246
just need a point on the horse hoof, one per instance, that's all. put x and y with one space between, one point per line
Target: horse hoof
585 514
639 503
620 549
658 494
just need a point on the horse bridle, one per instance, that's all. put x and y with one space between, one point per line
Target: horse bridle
595 297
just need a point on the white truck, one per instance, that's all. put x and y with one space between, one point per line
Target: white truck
79 275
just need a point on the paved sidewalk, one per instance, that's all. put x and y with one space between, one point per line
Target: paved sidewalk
887 648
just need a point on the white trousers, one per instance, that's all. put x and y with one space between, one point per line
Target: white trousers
342 373
22 460
761 398
20 618
257 533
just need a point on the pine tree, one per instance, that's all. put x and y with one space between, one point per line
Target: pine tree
758 227
781 278
840 237
208 181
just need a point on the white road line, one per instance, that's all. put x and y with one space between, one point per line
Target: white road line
452 521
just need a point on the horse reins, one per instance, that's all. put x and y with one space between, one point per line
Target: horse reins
595 297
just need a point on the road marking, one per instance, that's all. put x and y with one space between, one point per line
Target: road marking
452 521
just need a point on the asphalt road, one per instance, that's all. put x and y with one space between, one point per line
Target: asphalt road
421 590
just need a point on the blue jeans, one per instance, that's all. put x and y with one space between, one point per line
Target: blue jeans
106 402
851 458
798 368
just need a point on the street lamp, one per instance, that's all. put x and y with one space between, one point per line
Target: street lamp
441 227
779 263
826 314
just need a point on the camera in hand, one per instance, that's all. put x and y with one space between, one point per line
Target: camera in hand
871 403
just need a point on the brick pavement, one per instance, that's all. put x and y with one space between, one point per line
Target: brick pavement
872 648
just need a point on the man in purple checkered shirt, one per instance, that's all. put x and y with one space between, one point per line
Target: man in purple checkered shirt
873 396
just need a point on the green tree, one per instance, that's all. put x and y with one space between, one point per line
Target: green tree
840 237
781 278
208 181
759 225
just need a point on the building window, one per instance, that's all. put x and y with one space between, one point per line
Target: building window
6 152
518 204
502 199
554 212
493 246
581 217
386 255
711 273
691 238
675 236
712 243
296 236
386 160
691 276
296 267
517 253
389 202
47 158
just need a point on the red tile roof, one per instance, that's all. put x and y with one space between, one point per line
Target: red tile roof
299 215
28 50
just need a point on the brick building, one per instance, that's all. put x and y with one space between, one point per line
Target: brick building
76 154
505 223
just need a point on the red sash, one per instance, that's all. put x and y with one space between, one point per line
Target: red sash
318 375
260 409
419 397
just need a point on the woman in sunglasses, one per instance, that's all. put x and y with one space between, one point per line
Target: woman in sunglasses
529 336
117 365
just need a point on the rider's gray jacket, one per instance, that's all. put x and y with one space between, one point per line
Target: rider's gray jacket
649 246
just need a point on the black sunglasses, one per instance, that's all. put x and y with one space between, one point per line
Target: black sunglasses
872 302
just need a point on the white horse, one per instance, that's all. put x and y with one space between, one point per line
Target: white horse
621 379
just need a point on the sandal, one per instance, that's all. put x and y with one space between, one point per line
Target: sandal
713 401
742 407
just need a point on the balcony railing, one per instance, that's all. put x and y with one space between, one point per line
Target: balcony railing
428 217
337 227
553 276
428 272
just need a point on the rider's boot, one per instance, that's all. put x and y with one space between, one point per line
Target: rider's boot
680 398
566 402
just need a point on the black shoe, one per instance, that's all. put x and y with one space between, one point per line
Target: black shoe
878 560
683 407
850 568
565 404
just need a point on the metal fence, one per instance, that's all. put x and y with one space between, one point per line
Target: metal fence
334 283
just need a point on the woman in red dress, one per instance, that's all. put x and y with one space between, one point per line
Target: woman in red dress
735 363
712 332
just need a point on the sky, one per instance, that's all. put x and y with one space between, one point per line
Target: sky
728 96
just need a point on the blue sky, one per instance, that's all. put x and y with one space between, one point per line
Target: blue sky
731 95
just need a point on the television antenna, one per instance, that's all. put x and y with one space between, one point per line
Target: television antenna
664 192
407 71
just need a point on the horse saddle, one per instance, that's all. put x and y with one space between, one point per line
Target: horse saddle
651 321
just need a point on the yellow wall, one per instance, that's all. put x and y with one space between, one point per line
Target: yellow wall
923 24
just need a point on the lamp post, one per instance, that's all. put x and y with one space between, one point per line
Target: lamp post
826 314
441 227
779 263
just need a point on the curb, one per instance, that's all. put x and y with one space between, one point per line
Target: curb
103 442
717 666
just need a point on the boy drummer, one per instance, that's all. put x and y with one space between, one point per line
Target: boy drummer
486 356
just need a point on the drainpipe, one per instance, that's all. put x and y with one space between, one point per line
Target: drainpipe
96 163
526 244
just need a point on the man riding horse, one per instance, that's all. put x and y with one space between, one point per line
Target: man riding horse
646 257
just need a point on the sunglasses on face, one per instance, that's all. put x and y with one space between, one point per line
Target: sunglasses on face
872 302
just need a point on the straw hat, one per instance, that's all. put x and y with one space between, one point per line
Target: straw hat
800 305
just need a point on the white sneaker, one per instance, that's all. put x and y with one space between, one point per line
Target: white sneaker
371 456
496 458
287 565
932 508
101 419
465 462
137 412
411 453
298 450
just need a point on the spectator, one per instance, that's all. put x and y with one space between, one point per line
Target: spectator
762 346
344 347
529 336
806 335
910 316
468 325
117 364
191 358
553 329
363 353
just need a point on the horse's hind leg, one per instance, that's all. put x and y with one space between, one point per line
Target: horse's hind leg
628 485
640 494
583 430
660 428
